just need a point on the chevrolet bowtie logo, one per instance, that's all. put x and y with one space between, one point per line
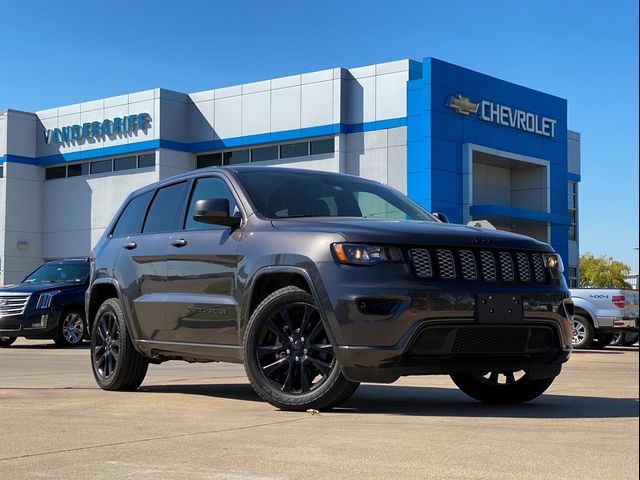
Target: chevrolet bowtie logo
462 105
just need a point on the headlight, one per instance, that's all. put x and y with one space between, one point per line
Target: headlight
357 254
45 299
553 261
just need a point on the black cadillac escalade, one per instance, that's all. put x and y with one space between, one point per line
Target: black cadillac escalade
47 304
316 282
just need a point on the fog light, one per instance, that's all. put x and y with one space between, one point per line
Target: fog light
42 323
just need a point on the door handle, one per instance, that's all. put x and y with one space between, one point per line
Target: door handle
181 242
130 245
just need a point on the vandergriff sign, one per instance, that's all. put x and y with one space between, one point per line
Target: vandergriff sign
118 125
504 115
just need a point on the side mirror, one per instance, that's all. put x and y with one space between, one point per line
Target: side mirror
214 211
441 216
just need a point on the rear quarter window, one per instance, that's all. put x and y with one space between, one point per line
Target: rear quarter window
130 222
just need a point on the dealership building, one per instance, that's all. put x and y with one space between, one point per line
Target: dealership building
454 140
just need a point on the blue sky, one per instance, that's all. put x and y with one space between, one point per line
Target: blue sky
584 51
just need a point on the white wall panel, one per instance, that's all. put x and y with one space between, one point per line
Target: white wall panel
256 113
201 125
397 168
317 104
285 109
361 100
21 132
391 95
228 117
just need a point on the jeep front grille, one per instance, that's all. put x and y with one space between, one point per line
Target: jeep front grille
12 304
487 265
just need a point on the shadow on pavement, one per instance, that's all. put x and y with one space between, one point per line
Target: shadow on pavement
435 402
46 346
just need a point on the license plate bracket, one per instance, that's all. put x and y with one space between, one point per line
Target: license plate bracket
499 308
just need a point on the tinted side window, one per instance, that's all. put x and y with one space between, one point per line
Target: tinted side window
130 222
208 188
165 209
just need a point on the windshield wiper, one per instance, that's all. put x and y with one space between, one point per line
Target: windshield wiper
303 216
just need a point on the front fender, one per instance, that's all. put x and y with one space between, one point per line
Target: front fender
306 270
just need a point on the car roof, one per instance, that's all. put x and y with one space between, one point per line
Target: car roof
234 170
79 260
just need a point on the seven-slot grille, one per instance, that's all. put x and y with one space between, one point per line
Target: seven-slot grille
487 265
12 304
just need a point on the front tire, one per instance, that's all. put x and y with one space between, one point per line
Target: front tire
6 341
502 387
289 358
116 364
582 332
72 328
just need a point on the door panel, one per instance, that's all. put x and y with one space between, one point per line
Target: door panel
200 304
201 273
143 270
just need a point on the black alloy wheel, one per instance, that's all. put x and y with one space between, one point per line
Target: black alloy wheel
115 362
106 352
293 350
289 357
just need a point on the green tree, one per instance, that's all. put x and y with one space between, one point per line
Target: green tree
602 272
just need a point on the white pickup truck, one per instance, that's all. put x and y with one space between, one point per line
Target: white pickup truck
600 313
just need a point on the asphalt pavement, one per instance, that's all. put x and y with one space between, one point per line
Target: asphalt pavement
203 421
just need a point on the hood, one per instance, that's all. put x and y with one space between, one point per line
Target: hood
38 287
403 232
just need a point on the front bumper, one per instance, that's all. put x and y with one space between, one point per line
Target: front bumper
386 329
41 324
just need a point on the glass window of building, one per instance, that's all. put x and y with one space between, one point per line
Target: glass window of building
147 160
264 153
1 171
165 209
102 166
124 163
77 169
209 160
322 146
573 277
55 172
290 150
236 156
573 209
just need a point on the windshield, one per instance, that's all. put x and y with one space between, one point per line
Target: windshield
59 273
281 194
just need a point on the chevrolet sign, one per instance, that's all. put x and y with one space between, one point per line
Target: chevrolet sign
504 115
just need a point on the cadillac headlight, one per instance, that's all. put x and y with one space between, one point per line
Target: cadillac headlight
44 301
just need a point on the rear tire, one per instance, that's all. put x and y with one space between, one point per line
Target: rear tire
618 338
116 364
582 332
7 341
629 339
289 358
488 388
602 341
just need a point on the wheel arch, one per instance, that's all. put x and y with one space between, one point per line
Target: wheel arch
271 278
582 308
99 291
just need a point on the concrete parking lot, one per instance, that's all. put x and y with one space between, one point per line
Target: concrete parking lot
204 421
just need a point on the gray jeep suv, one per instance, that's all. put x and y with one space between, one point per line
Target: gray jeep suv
316 282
